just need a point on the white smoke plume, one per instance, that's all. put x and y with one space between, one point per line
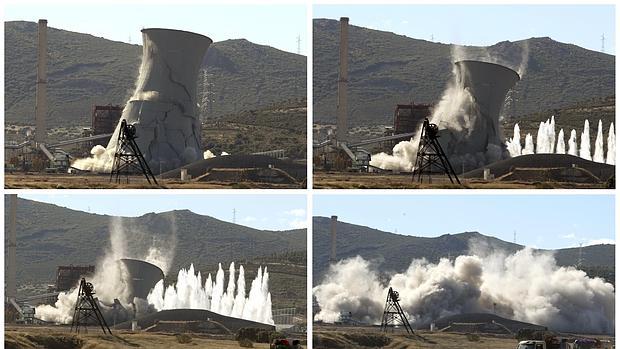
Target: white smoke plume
526 286
208 155
100 161
572 143
159 248
584 147
454 110
352 285
108 281
110 275
457 111
190 292
514 143
529 144
561 147
402 158
599 153
545 142
611 145
525 57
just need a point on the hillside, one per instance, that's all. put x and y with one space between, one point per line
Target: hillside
395 251
84 70
386 68
568 118
49 235
279 126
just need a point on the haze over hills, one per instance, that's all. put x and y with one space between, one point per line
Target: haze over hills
386 68
50 235
394 252
84 70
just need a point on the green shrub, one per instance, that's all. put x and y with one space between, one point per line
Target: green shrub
246 343
258 335
472 337
184 338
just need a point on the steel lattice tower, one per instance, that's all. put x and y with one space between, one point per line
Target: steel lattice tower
431 157
128 158
393 314
87 308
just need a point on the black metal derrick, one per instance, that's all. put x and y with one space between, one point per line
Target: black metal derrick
431 158
128 158
393 314
87 308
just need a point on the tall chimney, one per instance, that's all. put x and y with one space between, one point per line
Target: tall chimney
332 257
41 102
11 286
343 79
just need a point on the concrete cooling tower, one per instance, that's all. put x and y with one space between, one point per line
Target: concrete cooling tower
141 277
478 140
163 105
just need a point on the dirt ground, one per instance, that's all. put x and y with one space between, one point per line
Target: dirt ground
61 338
93 181
371 338
353 180
343 337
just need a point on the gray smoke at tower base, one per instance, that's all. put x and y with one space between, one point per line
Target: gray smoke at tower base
526 286
110 275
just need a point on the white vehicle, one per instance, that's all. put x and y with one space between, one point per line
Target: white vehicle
531 344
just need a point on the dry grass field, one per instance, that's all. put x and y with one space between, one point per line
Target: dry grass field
69 181
373 338
353 180
24 337
342 337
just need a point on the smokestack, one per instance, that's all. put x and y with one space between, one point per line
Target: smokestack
332 257
343 78
11 285
41 102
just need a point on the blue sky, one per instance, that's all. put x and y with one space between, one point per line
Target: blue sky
273 25
485 25
543 221
272 212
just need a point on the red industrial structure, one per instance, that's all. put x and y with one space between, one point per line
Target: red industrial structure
104 120
68 276
408 117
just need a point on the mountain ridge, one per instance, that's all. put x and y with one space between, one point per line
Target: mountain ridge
84 70
386 69
49 235
394 252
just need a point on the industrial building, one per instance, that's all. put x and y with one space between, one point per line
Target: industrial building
470 136
163 113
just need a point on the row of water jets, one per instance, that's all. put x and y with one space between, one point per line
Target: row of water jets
190 292
546 142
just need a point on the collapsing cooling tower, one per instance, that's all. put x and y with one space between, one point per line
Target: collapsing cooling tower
141 277
480 140
163 106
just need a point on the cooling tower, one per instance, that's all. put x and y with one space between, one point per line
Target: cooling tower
480 137
141 277
163 106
